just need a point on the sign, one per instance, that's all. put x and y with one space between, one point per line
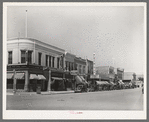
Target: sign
74 72
94 76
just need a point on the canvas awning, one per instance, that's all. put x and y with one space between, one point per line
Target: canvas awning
111 83
19 76
121 82
10 75
100 82
56 78
33 76
41 77
83 79
79 80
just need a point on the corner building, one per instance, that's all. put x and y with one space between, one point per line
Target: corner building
27 60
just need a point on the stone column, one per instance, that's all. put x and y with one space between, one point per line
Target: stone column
14 81
26 80
49 82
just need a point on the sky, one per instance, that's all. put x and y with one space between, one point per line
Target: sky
114 33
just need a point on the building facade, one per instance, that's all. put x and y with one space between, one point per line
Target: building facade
26 60
106 73
89 68
128 76
80 66
120 73
69 66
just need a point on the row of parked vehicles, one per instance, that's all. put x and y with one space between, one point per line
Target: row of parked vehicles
95 85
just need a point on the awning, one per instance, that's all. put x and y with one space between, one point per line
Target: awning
56 78
33 76
19 76
74 72
9 75
41 77
83 79
100 82
79 80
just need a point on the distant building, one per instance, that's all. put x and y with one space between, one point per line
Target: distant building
128 76
80 65
139 75
120 73
105 73
89 68
69 66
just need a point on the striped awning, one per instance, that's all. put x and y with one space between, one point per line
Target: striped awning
10 75
41 77
33 76
19 76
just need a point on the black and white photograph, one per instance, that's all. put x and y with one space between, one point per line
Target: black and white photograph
74 60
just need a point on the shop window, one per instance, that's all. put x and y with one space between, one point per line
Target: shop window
10 57
46 60
23 56
39 58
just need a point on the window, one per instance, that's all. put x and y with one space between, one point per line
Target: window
61 62
49 61
10 57
23 56
58 59
80 69
39 58
83 69
67 65
29 57
46 60
53 62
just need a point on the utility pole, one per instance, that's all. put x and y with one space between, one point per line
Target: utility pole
18 46
94 64
26 24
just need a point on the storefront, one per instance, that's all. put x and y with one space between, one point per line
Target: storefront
25 77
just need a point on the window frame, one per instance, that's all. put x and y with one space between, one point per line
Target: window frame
9 57
39 58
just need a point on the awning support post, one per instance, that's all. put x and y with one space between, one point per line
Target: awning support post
26 81
14 82
49 82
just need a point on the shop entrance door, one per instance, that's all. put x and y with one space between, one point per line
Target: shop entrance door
20 84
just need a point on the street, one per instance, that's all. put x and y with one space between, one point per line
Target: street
126 99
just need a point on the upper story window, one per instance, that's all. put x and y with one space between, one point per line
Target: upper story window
83 69
53 61
26 56
10 57
39 58
23 56
61 62
47 60
58 59
29 55
80 69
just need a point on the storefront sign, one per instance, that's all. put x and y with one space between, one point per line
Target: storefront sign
56 74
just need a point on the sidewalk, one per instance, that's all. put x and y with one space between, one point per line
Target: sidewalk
56 92
42 93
